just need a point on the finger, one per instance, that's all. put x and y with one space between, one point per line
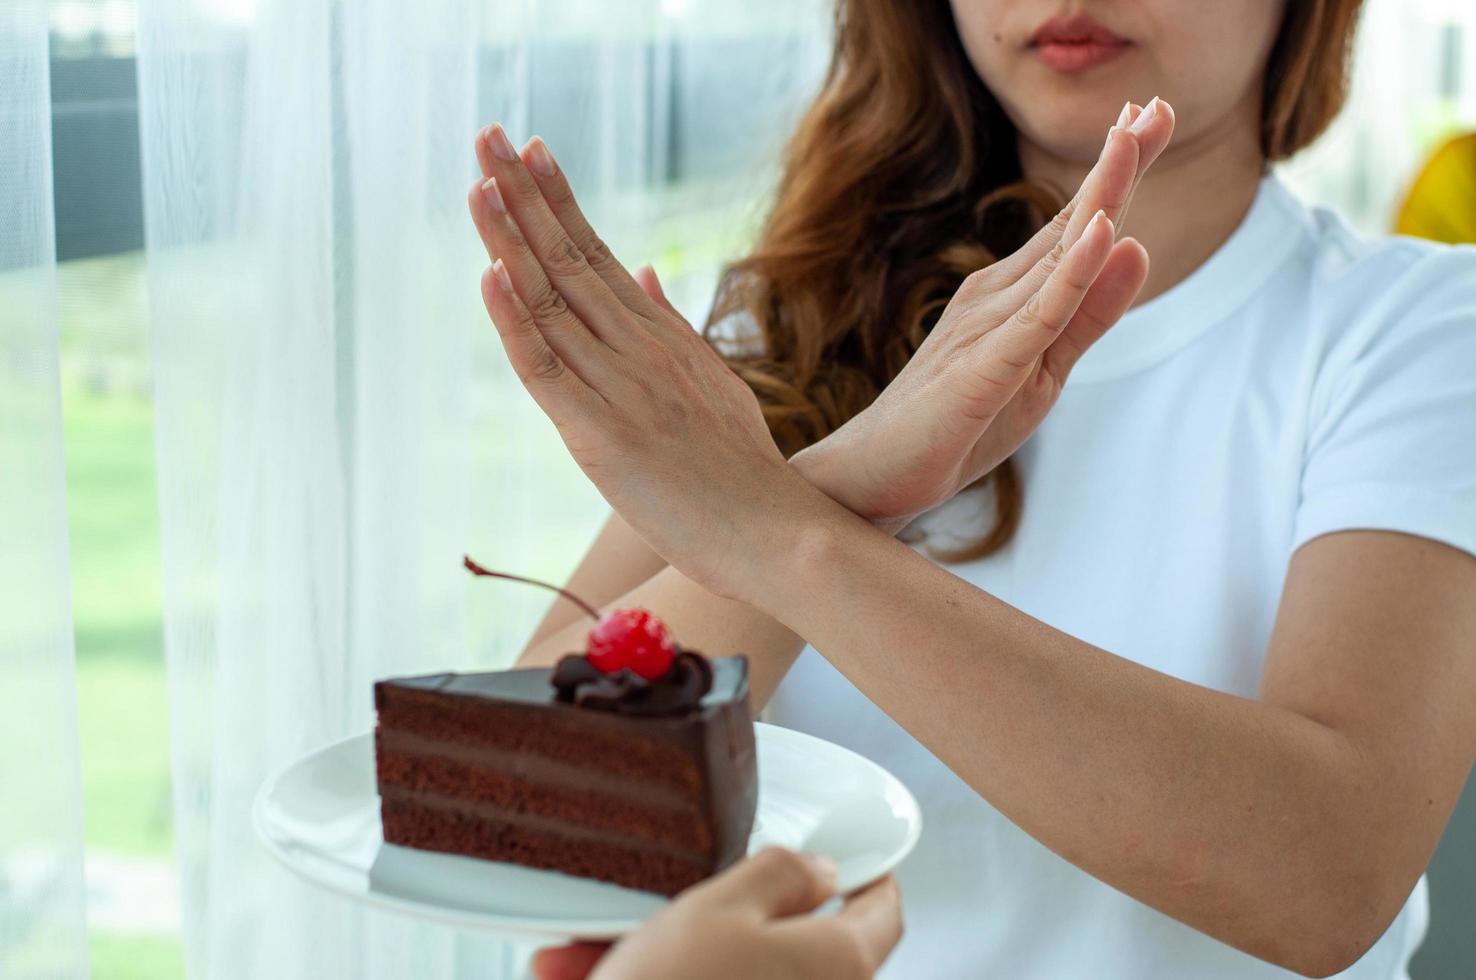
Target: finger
563 268
1111 184
484 152
1013 347
548 378
1114 178
774 883
1111 295
566 333
559 197
572 962
1152 134
645 277
1108 187
1152 127
874 916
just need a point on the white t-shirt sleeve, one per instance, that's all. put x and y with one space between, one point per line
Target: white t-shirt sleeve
1391 443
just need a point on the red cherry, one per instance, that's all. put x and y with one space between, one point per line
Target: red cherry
631 638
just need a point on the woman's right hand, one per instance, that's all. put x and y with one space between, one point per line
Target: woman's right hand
750 921
996 361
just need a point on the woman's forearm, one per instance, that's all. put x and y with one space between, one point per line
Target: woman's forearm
698 619
1228 814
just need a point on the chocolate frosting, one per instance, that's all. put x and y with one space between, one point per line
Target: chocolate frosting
625 692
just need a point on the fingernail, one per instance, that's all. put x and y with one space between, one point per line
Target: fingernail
823 867
503 278
1125 114
540 161
1141 123
1098 218
493 195
502 147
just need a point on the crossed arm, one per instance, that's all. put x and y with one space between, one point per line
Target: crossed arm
1291 826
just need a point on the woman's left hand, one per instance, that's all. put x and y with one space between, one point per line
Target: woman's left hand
671 437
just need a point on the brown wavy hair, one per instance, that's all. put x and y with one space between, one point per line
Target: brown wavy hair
901 179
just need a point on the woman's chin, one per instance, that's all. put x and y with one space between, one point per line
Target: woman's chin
1072 125
1067 137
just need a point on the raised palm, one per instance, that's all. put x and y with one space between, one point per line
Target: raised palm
996 362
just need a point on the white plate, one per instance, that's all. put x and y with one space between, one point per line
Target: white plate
320 818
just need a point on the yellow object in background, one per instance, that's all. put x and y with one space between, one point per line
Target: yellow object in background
1441 204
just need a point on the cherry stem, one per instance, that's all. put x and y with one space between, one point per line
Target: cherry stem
476 569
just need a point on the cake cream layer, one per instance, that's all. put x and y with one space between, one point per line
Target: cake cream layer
533 767
575 833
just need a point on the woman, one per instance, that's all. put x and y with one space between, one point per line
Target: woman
1193 696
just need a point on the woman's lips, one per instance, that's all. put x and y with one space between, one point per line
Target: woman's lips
1072 44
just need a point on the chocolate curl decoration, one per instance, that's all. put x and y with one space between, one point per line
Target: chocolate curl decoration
679 690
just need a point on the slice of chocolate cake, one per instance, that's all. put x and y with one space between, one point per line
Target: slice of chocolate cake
647 783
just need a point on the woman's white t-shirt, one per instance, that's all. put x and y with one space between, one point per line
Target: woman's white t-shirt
1304 380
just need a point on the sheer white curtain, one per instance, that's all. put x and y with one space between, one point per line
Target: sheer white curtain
335 422
42 917
309 346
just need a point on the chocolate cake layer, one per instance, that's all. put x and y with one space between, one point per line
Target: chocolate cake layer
663 872
495 766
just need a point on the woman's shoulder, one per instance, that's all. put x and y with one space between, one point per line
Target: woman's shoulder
1397 321
1379 316
1392 271
1367 294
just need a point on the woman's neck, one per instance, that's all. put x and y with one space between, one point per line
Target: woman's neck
1188 203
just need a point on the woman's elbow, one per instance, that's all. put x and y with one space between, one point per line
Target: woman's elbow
1344 928
1326 959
